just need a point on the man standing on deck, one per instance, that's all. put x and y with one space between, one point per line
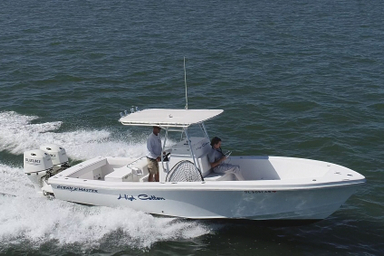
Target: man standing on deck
154 154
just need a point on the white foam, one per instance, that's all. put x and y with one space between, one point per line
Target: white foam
17 135
13 181
39 220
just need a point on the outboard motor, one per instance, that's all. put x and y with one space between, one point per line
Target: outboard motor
37 164
58 155
40 164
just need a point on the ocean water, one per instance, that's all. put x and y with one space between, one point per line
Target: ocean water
295 78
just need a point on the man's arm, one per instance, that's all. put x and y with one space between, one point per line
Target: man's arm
218 162
212 157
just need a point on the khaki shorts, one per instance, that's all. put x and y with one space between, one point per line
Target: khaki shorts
153 166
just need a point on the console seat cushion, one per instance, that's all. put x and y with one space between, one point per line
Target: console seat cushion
119 174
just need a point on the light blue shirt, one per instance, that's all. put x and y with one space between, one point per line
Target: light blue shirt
153 146
214 155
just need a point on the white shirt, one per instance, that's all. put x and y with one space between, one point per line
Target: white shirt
153 146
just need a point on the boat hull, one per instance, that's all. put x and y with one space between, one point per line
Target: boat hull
206 201
275 188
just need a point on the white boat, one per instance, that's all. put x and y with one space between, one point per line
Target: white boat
274 188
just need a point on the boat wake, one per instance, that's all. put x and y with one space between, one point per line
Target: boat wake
18 134
39 221
27 219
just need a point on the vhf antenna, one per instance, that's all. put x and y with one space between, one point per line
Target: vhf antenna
186 87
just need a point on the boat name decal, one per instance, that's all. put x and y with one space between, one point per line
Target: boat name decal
73 189
140 197
258 192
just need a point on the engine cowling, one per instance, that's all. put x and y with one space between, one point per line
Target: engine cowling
36 165
37 161
57 153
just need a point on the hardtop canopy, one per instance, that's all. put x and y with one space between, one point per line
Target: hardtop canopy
182 118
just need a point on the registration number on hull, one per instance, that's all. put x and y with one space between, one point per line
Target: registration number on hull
259 191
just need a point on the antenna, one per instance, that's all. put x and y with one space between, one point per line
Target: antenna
186 87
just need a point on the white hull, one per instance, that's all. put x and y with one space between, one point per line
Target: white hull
320 191
210 203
